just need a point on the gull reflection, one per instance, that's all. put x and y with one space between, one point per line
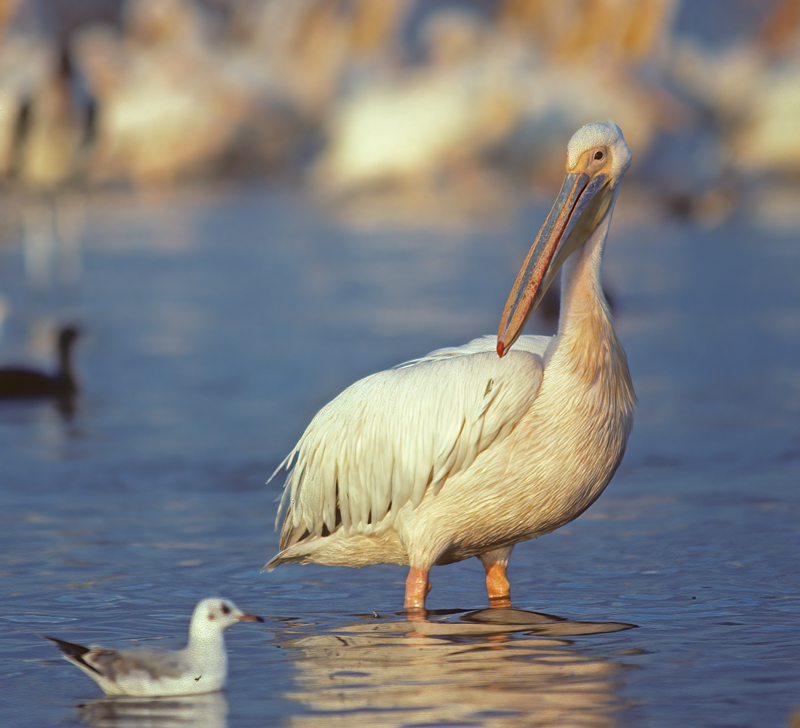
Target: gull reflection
499 667
209 710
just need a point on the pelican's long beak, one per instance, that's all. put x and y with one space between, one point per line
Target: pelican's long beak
578 209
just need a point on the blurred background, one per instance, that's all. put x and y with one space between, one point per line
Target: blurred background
396 112
350 97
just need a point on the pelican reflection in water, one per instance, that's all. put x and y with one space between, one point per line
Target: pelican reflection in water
451 673
472 449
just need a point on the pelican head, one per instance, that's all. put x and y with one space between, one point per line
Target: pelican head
597 157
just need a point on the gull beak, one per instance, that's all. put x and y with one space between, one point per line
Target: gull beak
583 201
249 618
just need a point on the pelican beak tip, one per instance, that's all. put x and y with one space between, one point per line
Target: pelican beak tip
501 349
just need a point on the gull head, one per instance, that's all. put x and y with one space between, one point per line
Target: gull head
215 615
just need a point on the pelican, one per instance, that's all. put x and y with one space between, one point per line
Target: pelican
472 449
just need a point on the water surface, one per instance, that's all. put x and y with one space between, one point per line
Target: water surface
217 324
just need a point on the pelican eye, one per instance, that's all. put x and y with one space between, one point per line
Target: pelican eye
598 155
225 609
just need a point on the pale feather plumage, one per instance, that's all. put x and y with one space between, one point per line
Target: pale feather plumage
395 436
201 667
462 453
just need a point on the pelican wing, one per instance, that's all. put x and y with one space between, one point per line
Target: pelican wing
398 435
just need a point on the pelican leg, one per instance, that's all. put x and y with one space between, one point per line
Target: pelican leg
495 563
417 588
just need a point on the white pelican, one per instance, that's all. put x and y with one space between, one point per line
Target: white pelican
463 452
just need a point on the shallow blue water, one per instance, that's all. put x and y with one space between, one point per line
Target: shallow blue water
218 324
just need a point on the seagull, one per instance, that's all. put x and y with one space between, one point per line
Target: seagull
473 449
201 667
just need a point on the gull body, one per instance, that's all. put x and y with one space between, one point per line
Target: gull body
472 449
201 667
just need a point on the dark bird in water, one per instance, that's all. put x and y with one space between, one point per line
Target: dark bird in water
27 383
